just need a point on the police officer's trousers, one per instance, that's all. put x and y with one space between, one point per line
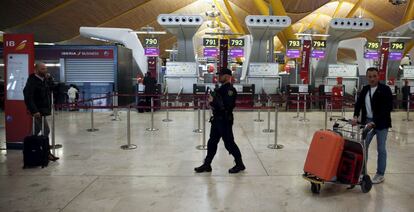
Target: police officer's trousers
222 129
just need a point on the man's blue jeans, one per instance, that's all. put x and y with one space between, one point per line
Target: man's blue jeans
381 147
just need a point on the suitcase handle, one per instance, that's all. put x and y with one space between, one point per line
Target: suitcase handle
34 125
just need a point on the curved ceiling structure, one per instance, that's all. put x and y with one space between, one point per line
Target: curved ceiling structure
59 21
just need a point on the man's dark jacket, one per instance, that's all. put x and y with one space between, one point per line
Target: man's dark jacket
381 104
37 95
150 85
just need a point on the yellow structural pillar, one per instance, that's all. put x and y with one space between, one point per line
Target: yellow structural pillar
262 7
229 22
354 9
409 13
233 16
337 8
408 47
279 9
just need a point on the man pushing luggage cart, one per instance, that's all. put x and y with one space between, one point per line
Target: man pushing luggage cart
338 156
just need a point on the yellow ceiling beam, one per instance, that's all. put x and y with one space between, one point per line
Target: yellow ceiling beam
310 25
219 22
409 13
408 47
124 13
262 7
354 9
233 16
264 10
279 9
58 7
229 22
337 8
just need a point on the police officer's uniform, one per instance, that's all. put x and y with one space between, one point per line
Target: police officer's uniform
224 101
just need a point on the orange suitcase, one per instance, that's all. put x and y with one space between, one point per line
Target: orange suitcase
324 154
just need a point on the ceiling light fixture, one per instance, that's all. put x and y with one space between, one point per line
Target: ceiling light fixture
99 39
47 44
394 37
313 35
150 32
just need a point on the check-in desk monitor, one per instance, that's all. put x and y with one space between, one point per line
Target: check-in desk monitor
264 76
349 74
181 75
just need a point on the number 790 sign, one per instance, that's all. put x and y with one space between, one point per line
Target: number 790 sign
151 42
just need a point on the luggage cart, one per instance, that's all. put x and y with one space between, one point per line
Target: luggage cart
355 140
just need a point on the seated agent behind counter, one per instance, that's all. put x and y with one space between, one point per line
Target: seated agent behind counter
222 101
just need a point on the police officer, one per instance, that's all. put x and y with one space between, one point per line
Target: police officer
222 101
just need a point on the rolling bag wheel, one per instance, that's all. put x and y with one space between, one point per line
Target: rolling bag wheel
366 184
315 188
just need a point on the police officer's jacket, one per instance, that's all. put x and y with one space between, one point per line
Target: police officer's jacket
224 101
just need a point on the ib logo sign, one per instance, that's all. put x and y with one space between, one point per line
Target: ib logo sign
20 46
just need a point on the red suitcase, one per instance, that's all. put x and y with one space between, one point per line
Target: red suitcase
350 167
324 155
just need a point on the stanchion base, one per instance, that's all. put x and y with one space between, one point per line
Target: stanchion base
92 130
128 147
304 120
268 130
116 119
275 146
151 129
56 146
167 120
407 120
258 120
198 130
201 147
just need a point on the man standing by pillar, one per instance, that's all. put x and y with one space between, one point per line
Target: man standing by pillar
37 97
222 101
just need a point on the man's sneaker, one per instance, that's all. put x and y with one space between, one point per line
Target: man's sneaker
203 168
378 179
237 168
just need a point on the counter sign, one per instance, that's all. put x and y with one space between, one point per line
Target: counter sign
239 42
151 42
397 46
294 44
210 42
319 44
373 45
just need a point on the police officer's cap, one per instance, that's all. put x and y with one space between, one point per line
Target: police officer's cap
225 71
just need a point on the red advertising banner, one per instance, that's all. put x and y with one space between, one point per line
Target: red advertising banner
18 62
304 69
385 50
152 66
224 48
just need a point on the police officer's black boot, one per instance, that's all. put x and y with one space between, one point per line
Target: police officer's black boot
238 167
206 167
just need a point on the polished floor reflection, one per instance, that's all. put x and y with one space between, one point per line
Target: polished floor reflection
94 174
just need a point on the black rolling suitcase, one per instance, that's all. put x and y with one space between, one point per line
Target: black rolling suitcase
36 149
141 104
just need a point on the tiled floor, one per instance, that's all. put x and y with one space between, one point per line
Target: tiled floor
94 174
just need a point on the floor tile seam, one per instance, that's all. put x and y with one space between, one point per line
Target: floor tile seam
254 150
83 190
